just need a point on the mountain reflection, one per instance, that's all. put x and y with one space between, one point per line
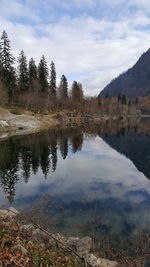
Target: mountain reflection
134 143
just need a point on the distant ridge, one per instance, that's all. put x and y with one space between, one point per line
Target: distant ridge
134 82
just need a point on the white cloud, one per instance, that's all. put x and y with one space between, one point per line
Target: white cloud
15 8
140 4
91 49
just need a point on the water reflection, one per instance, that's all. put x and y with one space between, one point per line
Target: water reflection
19 156
64 175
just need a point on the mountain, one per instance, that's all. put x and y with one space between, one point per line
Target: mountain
134 82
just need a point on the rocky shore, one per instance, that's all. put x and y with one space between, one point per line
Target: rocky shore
24 244
27 122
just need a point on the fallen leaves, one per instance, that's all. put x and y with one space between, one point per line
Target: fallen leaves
19 249
6 240
14 227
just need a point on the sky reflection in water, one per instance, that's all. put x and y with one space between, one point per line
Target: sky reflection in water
77 181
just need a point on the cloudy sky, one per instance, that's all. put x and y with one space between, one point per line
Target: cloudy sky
89 40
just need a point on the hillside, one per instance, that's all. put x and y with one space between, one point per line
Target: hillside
134 82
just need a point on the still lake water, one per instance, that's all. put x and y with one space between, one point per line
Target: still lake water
81 181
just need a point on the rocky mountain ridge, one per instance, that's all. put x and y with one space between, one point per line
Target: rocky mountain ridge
134 82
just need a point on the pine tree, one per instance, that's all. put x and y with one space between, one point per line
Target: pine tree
23 78
80 91
32 70
74 91
52 85
43 74
7 60
63 88
77 91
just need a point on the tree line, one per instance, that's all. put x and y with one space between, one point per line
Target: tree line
33 85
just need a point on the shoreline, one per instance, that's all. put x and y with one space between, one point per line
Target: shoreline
30 123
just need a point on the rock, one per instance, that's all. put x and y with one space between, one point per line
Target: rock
47 241
3 213
21 248
106 263
84 246
59 237
12 212
72 242
3 123
3 135
92 260
99 262
39 235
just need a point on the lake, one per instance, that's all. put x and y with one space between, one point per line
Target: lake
92 180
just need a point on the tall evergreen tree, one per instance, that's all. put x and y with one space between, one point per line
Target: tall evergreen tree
43 74
77 91
23 79
7 71
52 84
80 90
74 90
63 88
6 58
32 70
